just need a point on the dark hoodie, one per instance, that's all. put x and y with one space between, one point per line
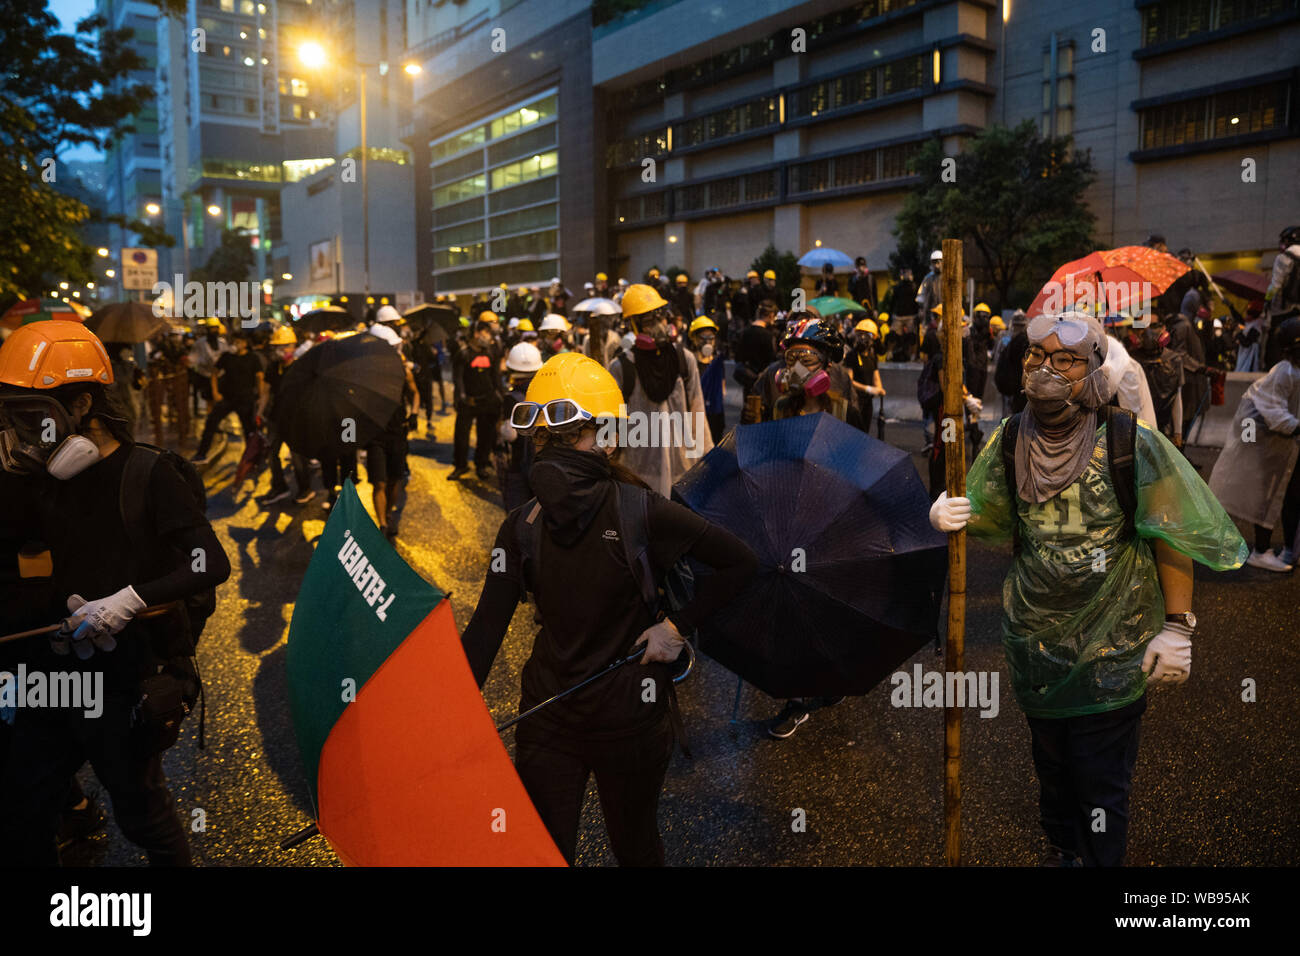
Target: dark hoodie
587 599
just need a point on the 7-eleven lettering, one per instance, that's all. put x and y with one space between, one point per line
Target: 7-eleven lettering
382 611
376 588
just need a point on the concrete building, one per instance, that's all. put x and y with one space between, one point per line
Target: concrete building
132 170
692 133
243 117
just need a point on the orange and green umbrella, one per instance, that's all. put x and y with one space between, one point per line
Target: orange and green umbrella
404 764
36 310
1127 279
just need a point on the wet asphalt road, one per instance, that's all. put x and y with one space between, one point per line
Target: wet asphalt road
1216 780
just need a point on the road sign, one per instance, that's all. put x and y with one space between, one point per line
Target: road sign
139 268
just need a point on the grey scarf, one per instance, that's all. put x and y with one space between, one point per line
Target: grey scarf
1056 435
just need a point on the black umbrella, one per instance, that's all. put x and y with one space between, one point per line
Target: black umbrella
339 395
850 572
433 323
126 322
330 318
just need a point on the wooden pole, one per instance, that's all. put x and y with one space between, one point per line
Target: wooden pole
953 435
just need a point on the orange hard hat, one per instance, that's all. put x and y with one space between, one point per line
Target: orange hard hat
55 352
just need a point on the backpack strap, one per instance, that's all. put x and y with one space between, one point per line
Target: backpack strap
634 519
528 539
1121 443
627 375
132 495
1010 430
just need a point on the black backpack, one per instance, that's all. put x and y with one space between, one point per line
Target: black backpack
673 592
132 503
627 370
1121 440
929 392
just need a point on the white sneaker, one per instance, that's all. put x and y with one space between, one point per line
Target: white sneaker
1268 561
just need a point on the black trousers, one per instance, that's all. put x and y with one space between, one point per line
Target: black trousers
483 418
1085 774
629 773
47 748
1290 515
241 407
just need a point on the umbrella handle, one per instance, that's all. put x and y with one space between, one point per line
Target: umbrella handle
299 838
690 665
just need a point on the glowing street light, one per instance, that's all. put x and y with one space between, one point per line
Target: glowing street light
110 273
152 208
286 276
312 54
103 253
214 210
413 69
63 285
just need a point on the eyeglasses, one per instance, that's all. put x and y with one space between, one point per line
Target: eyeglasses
1062 359
808 356
561 414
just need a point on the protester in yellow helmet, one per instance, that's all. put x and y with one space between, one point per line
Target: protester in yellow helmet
574 546
862 363
703 337
122 524
660 378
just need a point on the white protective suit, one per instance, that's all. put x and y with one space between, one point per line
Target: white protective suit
661 448
1250 477
1126 378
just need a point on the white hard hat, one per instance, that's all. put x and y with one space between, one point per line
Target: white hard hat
512 323
623 283
937 254
553 322
386 334
627 342
1218 323
524 357
387 313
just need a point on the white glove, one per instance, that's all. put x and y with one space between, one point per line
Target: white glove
100 620
973 404
949 514
1168 659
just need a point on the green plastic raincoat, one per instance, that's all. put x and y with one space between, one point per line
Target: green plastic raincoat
1080 601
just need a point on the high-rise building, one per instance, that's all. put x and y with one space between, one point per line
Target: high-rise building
132 169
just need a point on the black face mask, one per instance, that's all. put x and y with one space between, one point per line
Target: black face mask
570 485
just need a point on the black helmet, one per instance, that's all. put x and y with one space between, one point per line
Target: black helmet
1290 235
816 332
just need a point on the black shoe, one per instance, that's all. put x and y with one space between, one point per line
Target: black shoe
273 496
457 474
787 722
1055 856
79 824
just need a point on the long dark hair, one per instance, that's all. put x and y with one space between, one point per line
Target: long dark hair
105 405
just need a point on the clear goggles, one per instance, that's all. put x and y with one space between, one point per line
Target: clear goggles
562 414
1070 332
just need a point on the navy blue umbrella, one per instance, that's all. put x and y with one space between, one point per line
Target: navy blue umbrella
851 574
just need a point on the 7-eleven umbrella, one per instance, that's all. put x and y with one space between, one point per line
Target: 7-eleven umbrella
403 761
1127 279
34 310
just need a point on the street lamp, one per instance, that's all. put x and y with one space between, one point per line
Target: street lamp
110 273
286 276
152 208
312 55
63 285
103 253
214 210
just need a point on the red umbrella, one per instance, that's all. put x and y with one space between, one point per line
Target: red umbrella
1126 279
34 310
1248 285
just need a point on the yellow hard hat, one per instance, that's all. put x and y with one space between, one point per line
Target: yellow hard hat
769 274
751 274
284 336
997 323
681 278
703 322
866 325
581 380
653 273
640 299
51 353
525 325
503 286
983 307
601 277
882 318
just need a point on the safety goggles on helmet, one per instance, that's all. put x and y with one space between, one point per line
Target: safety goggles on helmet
1069 331
806 354
561 414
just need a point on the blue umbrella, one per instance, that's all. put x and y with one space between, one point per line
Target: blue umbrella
817 258
850 572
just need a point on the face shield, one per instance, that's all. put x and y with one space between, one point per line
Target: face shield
38 436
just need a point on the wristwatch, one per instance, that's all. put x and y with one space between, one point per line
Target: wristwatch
1186 618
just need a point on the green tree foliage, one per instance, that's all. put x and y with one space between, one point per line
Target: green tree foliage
56 90
785 265
231 261
1017 199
